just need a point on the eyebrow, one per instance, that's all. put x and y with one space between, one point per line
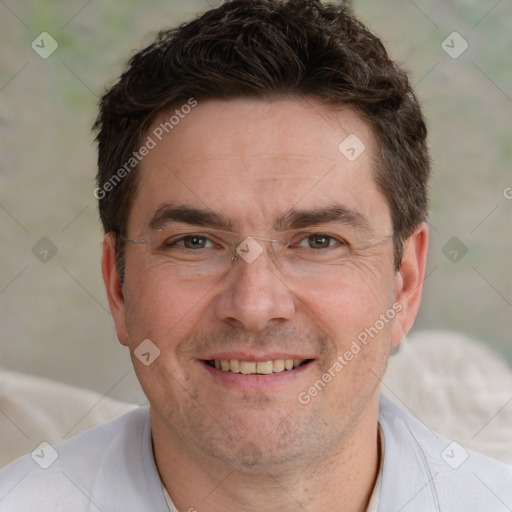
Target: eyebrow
169 213
292 219
298 219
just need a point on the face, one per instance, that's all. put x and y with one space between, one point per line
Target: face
229 314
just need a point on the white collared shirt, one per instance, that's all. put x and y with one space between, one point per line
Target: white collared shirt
112 467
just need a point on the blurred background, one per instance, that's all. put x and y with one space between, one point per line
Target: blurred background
54 315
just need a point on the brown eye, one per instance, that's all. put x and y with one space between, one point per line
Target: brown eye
319 241
194 242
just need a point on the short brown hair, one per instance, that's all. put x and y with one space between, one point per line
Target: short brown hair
264 48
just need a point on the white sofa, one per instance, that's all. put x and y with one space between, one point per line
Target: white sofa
458 387
34 410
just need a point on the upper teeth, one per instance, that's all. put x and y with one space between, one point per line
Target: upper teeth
261 367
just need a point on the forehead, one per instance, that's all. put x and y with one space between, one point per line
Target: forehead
251 160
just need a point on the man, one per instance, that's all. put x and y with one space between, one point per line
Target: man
263 188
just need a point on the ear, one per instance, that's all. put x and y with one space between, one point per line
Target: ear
409 281
113 286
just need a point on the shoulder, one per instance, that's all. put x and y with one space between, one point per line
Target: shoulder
93 467
422 467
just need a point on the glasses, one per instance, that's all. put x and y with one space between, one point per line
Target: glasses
211 253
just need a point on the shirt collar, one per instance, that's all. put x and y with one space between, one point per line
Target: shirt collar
373 504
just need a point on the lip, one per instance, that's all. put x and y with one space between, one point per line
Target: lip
255 382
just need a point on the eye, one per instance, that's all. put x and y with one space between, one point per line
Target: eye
319 241
191 242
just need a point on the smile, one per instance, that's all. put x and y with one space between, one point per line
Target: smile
256 367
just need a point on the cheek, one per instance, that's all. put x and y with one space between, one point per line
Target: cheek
160 308
165 313
357 315
347 304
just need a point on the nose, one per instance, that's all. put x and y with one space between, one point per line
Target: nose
255 294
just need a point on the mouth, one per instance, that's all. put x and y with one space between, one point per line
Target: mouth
256 367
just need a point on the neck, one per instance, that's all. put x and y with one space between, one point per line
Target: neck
343 480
